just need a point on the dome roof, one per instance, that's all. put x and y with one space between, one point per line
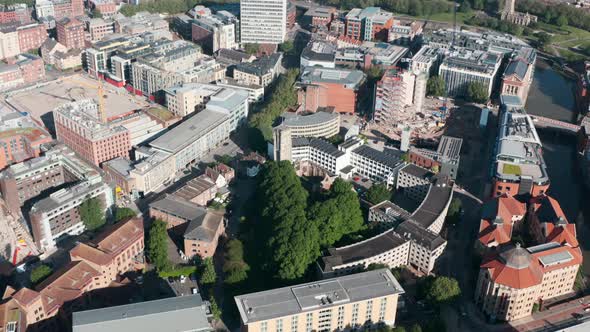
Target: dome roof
516 258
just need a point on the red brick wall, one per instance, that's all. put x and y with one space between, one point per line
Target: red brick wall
31 38
7 17
71 35
353 29
33 71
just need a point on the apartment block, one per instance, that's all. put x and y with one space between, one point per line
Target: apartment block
18 13
58 215
9 43
368 24
263 21
21 70
216 31
99 28
20 139
31 36
463 67
259 72
357 301
58 9
324 87
70 33
46 307
189 98
77 125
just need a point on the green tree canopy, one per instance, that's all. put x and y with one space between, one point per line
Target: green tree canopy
416 328
378 193
454 212
477 92
124 213
234 266
561 20
291 240
251 48
435 86
376 266
40 272
92 213
544 39
442 290
287 47
215 310
158 245
340 214
96 13
208 275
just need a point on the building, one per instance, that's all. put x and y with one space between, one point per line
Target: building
21 70
20 139
31 36
445 159
58 9
107 8
63 291
324 87
518 75
56 54
501 217
583 89
9 44
185 313
519 167
58 215
233 57
511 282
140 23
461 68
263 21
117 250
408 239
58 166
394 94
320 16
358 300
405 34
18 12
509 14
488 41
368 24
414 181
186 99
70 33
216 31
99 28
318 54
259 72
78 125
255 92
200 190
427 60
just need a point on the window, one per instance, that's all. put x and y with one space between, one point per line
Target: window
294 323
263 326
309 321
279 324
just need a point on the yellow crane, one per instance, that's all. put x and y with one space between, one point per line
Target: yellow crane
102 115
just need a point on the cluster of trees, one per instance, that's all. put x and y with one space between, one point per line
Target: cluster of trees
435 86
477 92
92 213
288 227
234 266
411 7
439 290
251 48
496 24
207 272
122 213
167 6
40 272
282 97
378 193
158 246
560 14
454 212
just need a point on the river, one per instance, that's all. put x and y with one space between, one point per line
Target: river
552 96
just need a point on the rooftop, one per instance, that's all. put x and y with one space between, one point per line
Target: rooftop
315 295
205 227
314 119
179 207
391 158
183 313
195 187
438 198
348 77
415 232
417 171
261 66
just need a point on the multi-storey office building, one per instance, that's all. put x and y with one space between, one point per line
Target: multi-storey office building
255 92
446 157
78 125
414 181
259 72
58 215
427 60
519 167
319 124
70 33
463 67
217 31
368 24
354 301
263 21
58 9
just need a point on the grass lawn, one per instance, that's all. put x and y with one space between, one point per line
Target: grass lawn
161 113
448 17
511 169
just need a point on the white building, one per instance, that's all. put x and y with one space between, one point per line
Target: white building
461 68
263 21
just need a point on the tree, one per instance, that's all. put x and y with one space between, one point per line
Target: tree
92 213
96 13
477 92
378 193
442 290
287 47
124 213
454 211
40 272
435 168
399 329
535 308
376 266
561 21
251 48
465 7
435 86
291 240
208 275
234 266
215 311
544 39
158 245
416 328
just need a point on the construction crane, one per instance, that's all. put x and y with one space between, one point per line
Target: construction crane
102 115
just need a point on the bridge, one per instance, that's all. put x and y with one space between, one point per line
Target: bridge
547 123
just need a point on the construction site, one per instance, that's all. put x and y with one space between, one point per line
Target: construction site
40 100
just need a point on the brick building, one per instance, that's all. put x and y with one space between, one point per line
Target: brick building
9 45
518 75
368 24
20 143
31 37
324 87
18 13
70 33
320 16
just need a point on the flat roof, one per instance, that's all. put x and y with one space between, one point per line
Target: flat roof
189 130
314 119
439 195
417 171
175 314
386 157
179 208
328 293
